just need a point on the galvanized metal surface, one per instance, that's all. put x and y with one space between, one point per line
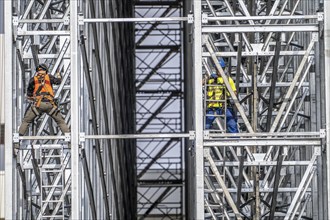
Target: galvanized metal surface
2 194
257 35
245 165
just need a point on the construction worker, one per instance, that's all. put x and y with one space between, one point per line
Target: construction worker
217 91
40 93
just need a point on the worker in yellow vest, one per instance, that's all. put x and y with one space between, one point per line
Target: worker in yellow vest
216 92
40 92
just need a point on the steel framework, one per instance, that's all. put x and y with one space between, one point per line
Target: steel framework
62 176
274 168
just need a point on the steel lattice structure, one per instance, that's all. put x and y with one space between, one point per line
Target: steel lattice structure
123 158
53 170
268 170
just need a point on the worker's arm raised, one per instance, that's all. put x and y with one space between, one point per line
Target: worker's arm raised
54 80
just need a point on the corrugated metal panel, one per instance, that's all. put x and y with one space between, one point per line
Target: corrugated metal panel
2 194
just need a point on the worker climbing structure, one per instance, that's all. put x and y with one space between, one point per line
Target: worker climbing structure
49 173
136 91
43 182
272 168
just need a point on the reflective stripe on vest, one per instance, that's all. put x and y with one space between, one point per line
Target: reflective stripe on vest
215 92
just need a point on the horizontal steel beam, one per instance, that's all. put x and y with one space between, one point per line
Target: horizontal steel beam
160 182
160 47
248 190
263 142
316 134
258 53
157 3
60 137
44 56
278 84
119 136
41 33
245 18
158 185
260 163
110 20
260 28
52 20
282 136
139 136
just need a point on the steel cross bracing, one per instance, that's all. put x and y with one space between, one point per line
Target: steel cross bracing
44 181
272 56
43 33
159 109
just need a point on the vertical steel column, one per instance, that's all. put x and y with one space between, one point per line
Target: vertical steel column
9 162
198 111
75 83
327 90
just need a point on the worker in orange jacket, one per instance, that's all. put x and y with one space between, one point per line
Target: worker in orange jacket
40 92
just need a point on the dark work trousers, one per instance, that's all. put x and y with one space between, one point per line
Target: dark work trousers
231 121
45 107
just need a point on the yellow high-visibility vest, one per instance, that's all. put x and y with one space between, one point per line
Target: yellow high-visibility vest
218 91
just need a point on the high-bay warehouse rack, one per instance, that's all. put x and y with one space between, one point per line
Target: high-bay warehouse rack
134 95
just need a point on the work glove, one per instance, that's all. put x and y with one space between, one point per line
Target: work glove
58 75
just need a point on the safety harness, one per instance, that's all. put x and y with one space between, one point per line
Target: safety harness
43 92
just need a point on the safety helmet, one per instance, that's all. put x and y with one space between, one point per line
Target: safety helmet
42 66
222 63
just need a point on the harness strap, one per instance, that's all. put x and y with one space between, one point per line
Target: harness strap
53 110
35 110
37 103
39 96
